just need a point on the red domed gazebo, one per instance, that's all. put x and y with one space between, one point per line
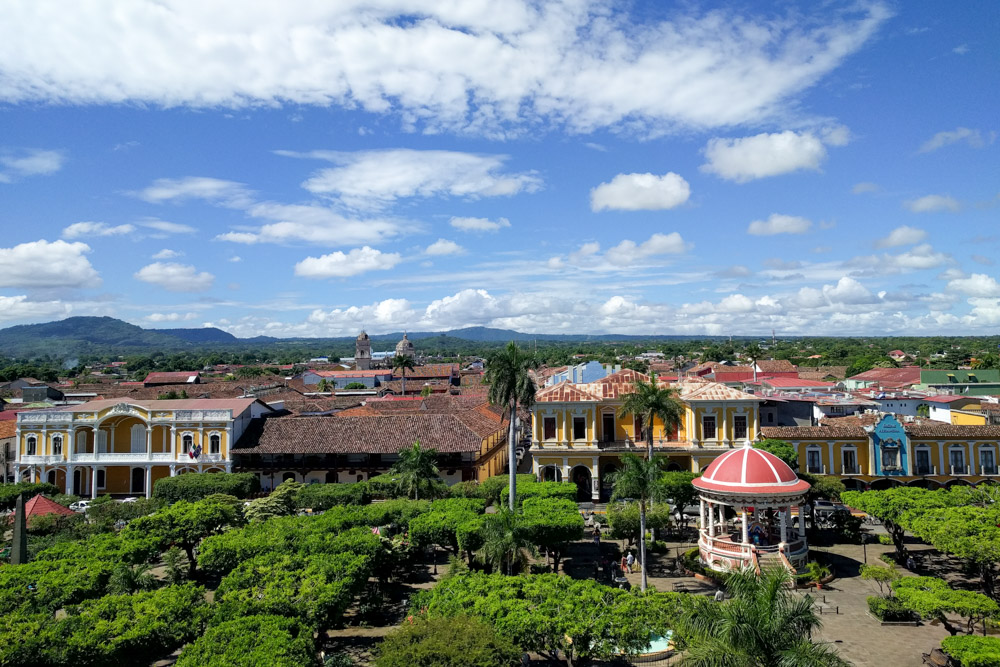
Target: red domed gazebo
761 489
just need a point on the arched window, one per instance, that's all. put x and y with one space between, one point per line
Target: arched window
288 476
57 445
52 477
30 445
551 474
214 443
187 442
331 477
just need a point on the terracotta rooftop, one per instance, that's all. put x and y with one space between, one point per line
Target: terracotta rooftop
775 366
618 384
795 382
40 506
702 390
430 371
931 429
820 372
352 374
377 434
810 432
8 428
895 376
237 405
949 398
172 377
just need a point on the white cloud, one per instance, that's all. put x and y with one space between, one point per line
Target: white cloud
640 192
749 158
479 67
235 258
177 190
175 277
170 317
779 224
444 247
628 252
343 265
42 264
316 225
479 224
28 162
387 315
961 49
376 179
976 285
904 235
20 308
931 203
167 227
167 253
865 187
85 229
973 138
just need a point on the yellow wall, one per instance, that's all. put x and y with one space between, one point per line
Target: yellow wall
965 418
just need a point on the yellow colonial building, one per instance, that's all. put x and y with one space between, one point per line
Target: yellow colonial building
881 451
123 447
578 435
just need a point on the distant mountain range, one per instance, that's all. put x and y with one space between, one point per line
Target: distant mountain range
100 335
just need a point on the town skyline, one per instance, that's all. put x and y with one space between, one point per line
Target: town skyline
571 169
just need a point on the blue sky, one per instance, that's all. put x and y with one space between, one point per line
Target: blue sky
314 168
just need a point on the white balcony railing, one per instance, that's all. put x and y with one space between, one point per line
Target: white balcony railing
38 459
925 471
988 471
959 470
815 470
850 470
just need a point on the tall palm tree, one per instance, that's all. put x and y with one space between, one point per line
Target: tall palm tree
753 353
506 542
507 373
647 401
400 363
764 624
640 479
416 468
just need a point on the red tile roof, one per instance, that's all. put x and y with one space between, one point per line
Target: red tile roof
776 366
909 375
948 398
8 427
172 377
781 382
352 374
430 371
40 506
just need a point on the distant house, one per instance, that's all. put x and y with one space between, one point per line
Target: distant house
885 378
159 379
448 372
776 368
981 382
898 355
340 379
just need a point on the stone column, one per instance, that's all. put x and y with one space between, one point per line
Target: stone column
746 526
173 442
69 480
93 481
711 520
17 473
725 427
784 524
149 481
149 443
72 444
173 470
802 521
701 513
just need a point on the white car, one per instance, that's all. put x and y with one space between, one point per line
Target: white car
130 499
80 506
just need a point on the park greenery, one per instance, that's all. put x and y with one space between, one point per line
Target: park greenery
459 641
960 521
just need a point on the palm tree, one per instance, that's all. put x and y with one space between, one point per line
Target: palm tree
764 624
638 478
128 579
416 468
648 401
506 542
511 385
400 363
753 353
988 360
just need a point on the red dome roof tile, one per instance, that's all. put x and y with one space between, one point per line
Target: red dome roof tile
749 470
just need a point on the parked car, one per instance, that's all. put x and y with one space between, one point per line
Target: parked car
130 499
80 506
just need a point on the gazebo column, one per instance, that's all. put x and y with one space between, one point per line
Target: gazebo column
784 524
802 521
746 526
701 513
711 520
722 515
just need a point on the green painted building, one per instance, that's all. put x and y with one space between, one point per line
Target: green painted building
975 382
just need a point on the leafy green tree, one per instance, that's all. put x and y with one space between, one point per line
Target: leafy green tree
555 615
44 586
446 642
648 401
638 479
507 373
990 360
677 489
355 385
321 497
933 598
823 486
263 639
782 449
969 533
280 502
763 623
440 526
506 542
400 364
195 486
187 524
416 469
881 576
891 507
971 651
625 521
324 386
553 523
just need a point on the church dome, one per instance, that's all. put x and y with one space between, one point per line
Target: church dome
748 471
404 347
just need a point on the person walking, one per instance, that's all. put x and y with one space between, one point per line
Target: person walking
597 538
719 595
624 565
630 561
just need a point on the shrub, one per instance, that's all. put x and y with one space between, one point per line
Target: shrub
10 492
889 559
446 642
465 490
45 586
275 641
51 524
324 496
888 609
972 651
885 539
195 486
